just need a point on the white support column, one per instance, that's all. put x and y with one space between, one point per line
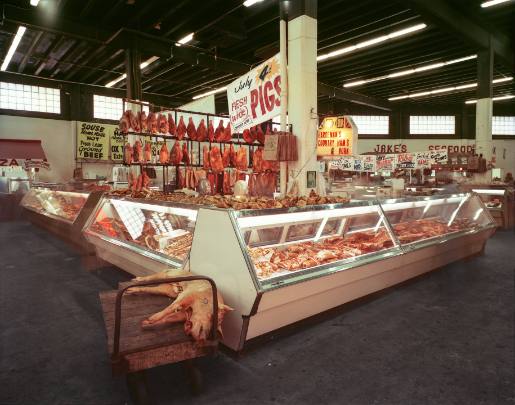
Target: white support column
484 127
302 94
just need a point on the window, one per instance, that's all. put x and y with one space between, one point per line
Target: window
108 108
372 124
14 96
503 125
432 125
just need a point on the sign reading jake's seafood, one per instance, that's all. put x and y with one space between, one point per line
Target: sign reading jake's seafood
256 96
337 137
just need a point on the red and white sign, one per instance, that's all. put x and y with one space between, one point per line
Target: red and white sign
385 162
255 97
405 160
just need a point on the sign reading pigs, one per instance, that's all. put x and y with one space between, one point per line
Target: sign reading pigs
256 96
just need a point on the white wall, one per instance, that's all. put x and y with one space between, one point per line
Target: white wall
58 140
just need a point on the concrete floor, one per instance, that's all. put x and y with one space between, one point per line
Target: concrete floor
445 338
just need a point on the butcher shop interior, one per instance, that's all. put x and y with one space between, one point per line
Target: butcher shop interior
257 202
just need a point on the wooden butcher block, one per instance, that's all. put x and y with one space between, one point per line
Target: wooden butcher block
142 349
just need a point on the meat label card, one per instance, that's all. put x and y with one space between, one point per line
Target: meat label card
93 140
256 96
385 162
405 161
423 159
439 157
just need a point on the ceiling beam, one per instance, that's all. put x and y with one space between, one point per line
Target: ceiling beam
452 19
356 98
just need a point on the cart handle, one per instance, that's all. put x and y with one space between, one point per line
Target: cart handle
118 306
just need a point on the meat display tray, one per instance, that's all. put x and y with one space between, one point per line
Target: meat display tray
281 265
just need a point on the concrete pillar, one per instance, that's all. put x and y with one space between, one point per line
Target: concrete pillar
302 86
132 67
485 67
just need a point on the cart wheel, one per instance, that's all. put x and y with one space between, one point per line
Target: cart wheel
138 391
194 377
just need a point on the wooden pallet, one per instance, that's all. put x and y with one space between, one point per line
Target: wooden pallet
142 349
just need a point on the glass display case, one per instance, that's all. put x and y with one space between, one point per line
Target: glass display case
142 236
278 266
499 200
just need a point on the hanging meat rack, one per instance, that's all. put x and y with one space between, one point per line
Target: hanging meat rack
237 139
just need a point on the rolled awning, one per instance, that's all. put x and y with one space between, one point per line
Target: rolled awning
21 149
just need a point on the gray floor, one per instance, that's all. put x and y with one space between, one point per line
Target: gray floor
445 338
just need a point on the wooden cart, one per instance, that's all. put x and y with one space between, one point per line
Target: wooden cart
133 349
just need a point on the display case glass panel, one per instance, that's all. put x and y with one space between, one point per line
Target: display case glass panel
290 245
493 198
165 232
60 205
422 220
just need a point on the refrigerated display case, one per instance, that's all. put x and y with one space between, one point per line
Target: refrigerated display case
142 237
63 213
279 266
500 203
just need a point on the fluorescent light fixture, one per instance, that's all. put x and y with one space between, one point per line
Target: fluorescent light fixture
34 3
14 45
185 40
372 41
493 3
142 66
208 93
449 89
249 3
499 98
409 71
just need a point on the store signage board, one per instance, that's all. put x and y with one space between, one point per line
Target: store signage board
369 163
117 142
343 163
439 157
337 136
385 162
256 96
93 140
405 160
358 164
423 159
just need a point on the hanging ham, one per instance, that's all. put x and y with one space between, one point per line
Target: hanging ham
163 154
232 156
211 132
185 154
260 135
171 124
219 132
137 151
215 160
143 122
226 157
152 123
205 157
134 121
191 130
124 124
147 152
247 136
201 131
181 129
162 124
241 159
127 154
176 154
227 133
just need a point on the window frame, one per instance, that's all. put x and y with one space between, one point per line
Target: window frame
503 136
374 135
32 113
457 127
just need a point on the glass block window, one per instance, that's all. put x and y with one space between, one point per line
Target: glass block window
372 124
14 96
432 125
503 125
107 108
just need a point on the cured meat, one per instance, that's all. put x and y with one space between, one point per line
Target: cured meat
253 134
201 131
247 136
152 123
145 180
257 161
205 157
137 151
211 132
191 130
143 121
193 304
185 154
181 129
163 154
226 157
240 160
162 124
227 132
147 152
134 121
260 135
125 123
171 124
176 154
219 132
215 160
232 156
127 154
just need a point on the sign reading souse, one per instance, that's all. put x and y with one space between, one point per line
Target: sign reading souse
93 140
336 137
256 96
